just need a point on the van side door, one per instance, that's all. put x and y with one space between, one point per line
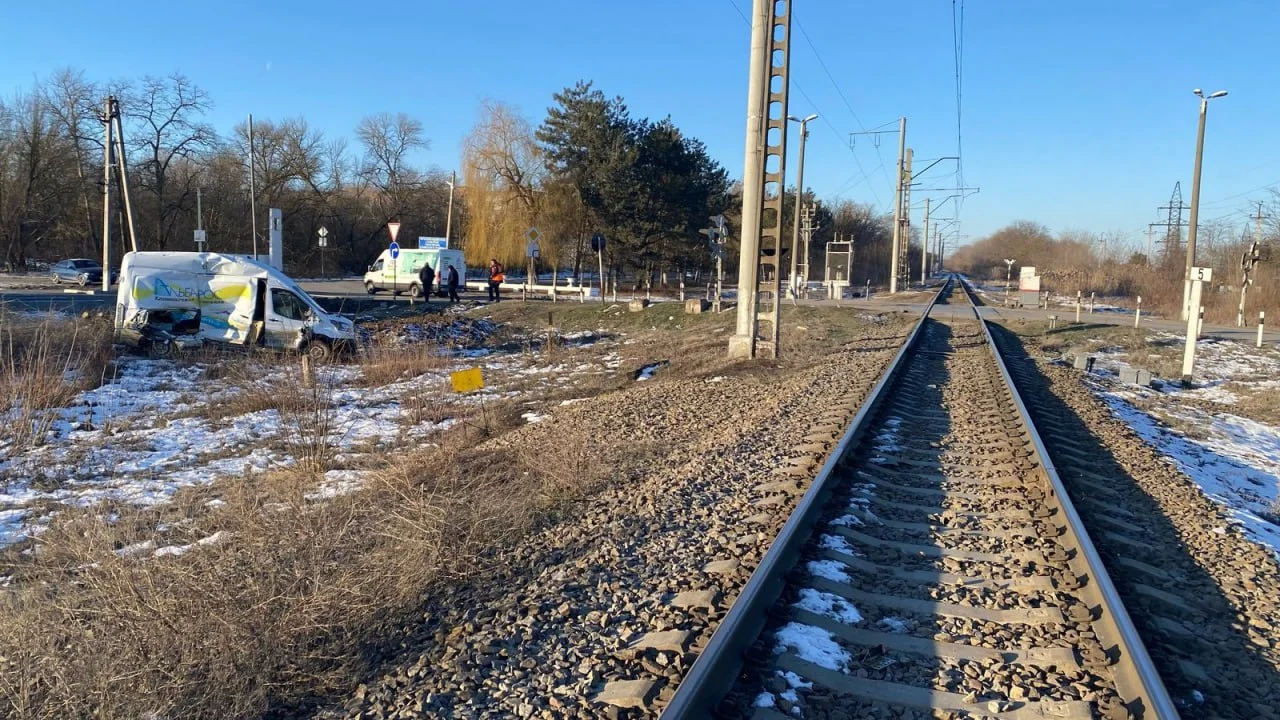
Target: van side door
286 317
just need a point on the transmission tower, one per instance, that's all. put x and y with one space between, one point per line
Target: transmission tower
1174 224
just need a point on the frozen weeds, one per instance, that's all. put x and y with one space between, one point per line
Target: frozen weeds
153 427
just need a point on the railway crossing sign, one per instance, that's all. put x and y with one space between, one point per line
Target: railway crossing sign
395 250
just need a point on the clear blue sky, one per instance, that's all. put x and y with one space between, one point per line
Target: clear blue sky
1076 114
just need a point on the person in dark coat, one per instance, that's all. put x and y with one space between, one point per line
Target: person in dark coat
495 280
451 281
426 276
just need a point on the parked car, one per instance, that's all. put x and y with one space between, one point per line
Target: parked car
81 271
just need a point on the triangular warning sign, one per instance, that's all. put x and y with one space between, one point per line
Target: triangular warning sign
393 227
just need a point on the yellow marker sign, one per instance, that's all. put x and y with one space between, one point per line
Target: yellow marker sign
465 381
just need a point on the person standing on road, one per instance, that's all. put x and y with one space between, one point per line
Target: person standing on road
426 276
495 280
451 281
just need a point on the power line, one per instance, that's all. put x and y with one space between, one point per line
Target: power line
957 45
822 115
822 63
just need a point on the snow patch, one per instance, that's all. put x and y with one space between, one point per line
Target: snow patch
832 606
812 644
829 569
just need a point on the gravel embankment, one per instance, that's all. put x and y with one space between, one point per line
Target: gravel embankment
600 614
1205 598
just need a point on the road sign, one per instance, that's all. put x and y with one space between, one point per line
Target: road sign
533 234
323 232
201 237
393 227
433 243
597 242
1203 274
395 250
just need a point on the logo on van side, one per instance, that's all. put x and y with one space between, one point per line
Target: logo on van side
163 290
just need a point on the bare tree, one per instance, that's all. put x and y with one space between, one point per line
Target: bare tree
75 104
166 127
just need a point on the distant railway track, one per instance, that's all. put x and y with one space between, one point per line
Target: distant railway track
935 568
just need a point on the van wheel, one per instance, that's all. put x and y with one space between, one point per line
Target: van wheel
319 351
369 288
415 291
158 349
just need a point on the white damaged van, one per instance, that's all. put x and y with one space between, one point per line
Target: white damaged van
176 300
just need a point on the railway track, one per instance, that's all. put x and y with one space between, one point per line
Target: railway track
935 568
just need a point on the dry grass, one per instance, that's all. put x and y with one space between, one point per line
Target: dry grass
43 364
278 612
386 361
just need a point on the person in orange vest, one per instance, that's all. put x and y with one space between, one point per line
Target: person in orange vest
495 280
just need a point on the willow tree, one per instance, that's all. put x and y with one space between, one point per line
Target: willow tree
503 171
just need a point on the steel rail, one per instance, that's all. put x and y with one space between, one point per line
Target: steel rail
1135 672
716 669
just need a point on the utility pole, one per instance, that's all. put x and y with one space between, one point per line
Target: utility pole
795 230
897 203
924 255
253 193
108 106
1192 226
448 221
1150 244
806 237
758 303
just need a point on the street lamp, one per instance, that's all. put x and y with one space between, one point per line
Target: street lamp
448 221
1195 198
1008 277
795 230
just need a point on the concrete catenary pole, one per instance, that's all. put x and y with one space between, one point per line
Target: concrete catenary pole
897 204
924 246
743 342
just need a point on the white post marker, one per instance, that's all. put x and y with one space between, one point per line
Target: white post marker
1262 318
1091 302
1199 276
1137 315
1077 306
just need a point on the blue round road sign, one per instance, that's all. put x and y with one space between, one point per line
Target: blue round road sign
395 250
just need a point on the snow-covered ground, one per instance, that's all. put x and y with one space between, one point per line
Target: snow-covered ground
1234 459
156 426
